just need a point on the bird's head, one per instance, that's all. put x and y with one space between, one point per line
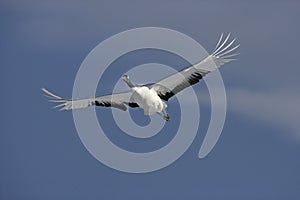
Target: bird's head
127 81
125 78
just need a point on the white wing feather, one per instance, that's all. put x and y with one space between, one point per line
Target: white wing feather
118 100
173 84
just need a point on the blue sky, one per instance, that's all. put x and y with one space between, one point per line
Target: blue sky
43 44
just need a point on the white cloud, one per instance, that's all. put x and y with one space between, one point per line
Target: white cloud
280 108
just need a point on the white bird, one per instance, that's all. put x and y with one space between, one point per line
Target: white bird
151 97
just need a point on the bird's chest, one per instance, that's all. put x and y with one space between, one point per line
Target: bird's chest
147 98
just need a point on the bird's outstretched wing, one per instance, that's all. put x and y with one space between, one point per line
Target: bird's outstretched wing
118 100
173 84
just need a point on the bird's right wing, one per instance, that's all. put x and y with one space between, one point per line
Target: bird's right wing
118 100
169 86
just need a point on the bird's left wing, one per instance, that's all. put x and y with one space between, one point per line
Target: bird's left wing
173 84
118 100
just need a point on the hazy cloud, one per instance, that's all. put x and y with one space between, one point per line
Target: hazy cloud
279 108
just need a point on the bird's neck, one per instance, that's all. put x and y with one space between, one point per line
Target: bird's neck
129 83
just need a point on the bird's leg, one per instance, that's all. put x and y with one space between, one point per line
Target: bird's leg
164 115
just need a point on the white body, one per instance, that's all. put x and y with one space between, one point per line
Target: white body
148 100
